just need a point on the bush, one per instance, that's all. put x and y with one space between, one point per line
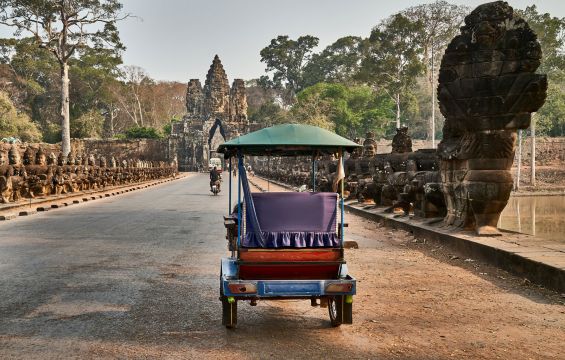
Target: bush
143 133
16 124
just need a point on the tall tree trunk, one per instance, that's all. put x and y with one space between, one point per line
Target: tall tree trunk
113 114
398 110
139 109
65 113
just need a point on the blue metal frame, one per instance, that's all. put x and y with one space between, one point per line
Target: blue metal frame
283 288
239 217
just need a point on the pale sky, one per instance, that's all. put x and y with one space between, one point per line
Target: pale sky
177 39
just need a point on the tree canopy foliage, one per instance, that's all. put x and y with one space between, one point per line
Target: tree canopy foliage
14 123
353 85
391 72
106 99
550 30
62 28
286 59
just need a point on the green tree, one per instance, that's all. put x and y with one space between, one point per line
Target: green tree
13 123
92 72
550 31
268 114
550 118
440 24
39 71
89 125
350 111
286 59
393 60
339 62
62 27
313 109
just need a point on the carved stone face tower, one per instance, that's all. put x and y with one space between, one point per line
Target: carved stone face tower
216 90
215 113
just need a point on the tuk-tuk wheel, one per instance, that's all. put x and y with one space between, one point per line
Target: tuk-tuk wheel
340 309
229 312
229 309
335 306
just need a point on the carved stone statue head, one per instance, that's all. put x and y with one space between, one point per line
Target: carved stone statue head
113 162
61 159
369 145
102 161
402 142
14 156
51 159
29 156
71 158
40 158
411 166
91 160
3 157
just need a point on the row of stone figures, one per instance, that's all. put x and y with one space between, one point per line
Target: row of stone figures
403 178
39 174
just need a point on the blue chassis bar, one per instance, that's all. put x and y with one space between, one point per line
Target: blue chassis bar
283 288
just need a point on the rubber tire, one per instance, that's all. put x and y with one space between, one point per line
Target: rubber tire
335 309
229 311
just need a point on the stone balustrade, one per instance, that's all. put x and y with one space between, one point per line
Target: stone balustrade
36 173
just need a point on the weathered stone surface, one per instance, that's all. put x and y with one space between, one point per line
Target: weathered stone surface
215 113
401 142
71 174
194 98
238 102
216 90
487 90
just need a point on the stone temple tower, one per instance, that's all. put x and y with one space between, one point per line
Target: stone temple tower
214 113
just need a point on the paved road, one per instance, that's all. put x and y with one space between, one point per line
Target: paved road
136 276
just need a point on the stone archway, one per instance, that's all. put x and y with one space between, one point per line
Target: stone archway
215 139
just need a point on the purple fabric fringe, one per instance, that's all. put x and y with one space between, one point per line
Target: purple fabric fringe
293 239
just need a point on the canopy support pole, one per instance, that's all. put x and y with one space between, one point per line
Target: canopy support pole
229 189
239 218
313 173
342 203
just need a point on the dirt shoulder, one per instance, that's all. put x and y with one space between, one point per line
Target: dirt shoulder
417 300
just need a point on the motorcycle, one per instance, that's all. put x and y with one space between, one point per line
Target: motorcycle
215 186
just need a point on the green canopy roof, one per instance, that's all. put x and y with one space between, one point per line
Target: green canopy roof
287 140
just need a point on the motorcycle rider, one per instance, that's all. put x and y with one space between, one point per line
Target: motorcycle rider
214 178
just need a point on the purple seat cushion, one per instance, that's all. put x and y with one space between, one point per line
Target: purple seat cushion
295 220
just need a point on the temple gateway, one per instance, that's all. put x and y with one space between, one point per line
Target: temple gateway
215 113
